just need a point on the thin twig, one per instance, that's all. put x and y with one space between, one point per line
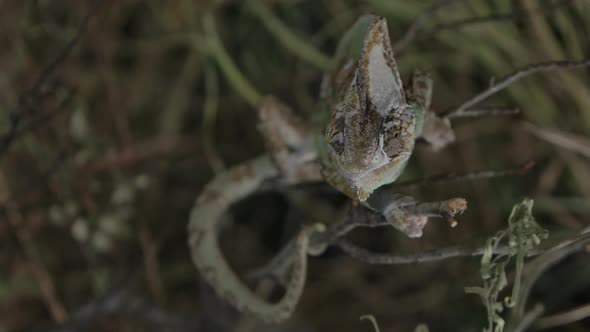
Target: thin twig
139 152
34 92
454 251
575 143
515 76
469 176
152 265
32 255
65 52
530 317
18 128
488 111
209 118
373 321
216 50
421 257
564 318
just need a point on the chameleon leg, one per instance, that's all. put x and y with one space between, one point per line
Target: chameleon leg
435 130
410 216
421 89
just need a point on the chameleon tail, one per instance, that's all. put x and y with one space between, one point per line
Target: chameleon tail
226 189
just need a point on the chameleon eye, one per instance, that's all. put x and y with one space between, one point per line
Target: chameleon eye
393 145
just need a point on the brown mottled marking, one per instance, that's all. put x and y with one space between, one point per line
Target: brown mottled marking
196 237
209 196
245 170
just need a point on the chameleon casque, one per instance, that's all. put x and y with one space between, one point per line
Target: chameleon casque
366 144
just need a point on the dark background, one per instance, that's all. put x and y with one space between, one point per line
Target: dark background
115 114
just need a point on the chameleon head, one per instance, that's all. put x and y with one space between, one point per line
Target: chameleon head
370 136
358 172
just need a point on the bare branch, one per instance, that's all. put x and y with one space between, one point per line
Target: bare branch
530 318
421 257
469 176
455 251
16 127
64 53
515 76
564 318
486 111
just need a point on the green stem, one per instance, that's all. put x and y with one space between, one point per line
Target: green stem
511 302
209 119
288 39
233 74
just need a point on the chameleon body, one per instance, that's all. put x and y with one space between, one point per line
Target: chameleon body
366 144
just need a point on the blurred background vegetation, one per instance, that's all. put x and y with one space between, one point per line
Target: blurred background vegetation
115 114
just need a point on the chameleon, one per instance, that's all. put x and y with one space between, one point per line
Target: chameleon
365 144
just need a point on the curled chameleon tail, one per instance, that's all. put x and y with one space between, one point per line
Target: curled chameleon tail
225 189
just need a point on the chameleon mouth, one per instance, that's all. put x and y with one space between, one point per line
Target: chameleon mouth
362 195
359 181
346 185
360 185
353 171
